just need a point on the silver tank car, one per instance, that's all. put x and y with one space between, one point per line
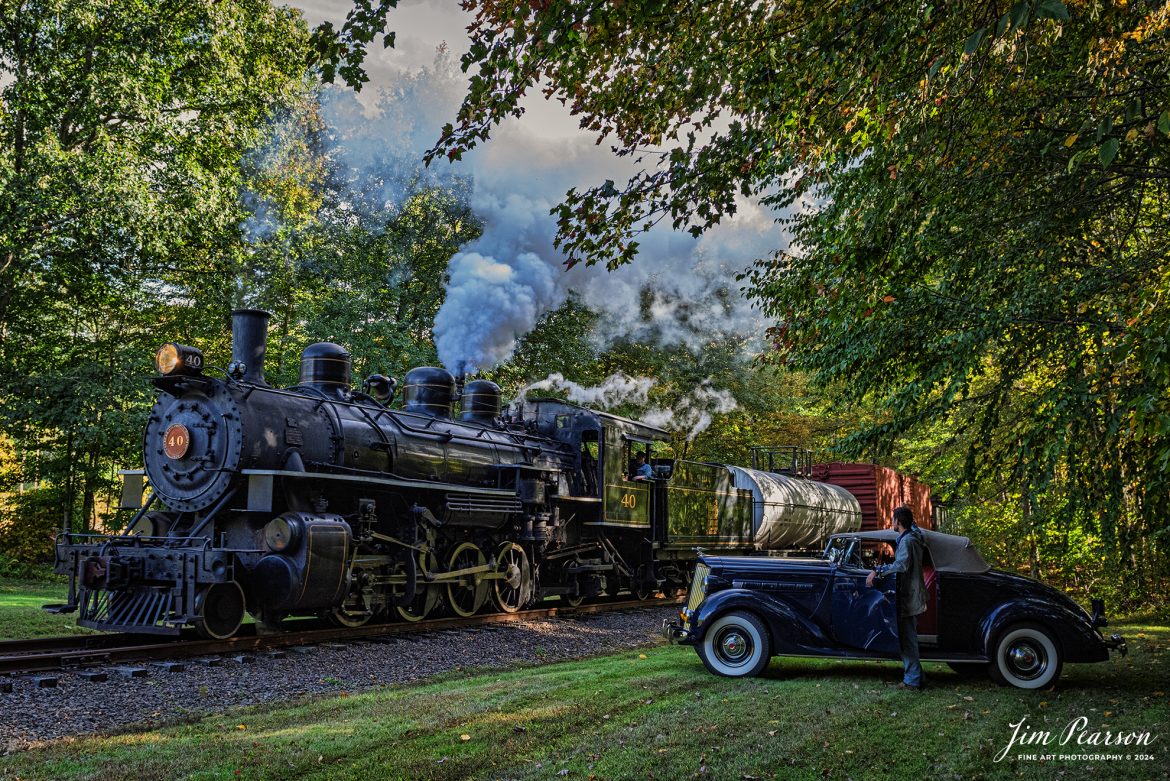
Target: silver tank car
796 513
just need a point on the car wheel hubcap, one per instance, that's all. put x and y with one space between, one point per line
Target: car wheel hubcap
734 647
1026 660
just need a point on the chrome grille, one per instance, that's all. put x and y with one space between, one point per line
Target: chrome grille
698 587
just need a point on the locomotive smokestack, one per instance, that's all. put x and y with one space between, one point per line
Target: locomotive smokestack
249 343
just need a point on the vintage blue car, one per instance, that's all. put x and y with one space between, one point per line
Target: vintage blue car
741 611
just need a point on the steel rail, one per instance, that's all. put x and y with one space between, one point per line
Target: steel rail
64 654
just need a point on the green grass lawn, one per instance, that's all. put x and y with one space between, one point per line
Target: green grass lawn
654 713
21 615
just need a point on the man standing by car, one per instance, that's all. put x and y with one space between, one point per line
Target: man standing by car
911 592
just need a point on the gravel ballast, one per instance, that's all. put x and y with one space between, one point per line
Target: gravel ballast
30 714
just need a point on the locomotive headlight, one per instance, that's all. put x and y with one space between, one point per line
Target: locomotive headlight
174 358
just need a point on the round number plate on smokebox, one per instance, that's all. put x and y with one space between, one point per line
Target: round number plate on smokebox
176 441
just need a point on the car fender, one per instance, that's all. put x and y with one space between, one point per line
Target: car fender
1074 634
791 632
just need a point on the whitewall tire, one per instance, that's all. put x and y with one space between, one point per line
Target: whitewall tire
736 645
1026 656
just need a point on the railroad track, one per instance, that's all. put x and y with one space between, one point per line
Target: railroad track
64 654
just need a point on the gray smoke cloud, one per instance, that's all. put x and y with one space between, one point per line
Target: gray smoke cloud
519 176
376 140
373 144
694 298
499 286
490 304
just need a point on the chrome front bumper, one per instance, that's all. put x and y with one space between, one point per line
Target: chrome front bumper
674 632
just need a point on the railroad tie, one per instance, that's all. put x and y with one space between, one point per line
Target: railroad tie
131 672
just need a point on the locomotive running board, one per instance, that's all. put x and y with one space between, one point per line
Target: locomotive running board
260 482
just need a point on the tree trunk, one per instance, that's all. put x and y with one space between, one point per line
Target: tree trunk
1033 552
68 519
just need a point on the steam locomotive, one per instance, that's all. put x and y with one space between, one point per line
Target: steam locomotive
320 499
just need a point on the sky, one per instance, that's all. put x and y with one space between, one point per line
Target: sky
422 26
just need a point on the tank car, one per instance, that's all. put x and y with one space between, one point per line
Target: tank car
321 499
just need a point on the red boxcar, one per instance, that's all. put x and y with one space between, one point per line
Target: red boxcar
879 490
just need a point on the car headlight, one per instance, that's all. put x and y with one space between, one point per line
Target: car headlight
174 358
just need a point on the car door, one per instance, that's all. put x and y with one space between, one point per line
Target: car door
865 619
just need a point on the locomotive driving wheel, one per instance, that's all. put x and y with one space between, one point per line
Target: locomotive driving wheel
351 614
467 593
426 596
514 590
221 610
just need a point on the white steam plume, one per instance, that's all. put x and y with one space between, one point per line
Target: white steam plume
694 412
615 389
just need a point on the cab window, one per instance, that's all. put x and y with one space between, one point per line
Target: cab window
637 458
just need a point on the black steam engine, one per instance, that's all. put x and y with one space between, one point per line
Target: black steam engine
319 499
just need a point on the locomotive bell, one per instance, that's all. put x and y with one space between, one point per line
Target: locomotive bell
429 390
326 366
380 387
480 402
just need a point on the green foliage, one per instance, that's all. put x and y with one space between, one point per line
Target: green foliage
31 522
978 192
342 52
16 569
773 406
122 129
560 342
153 181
